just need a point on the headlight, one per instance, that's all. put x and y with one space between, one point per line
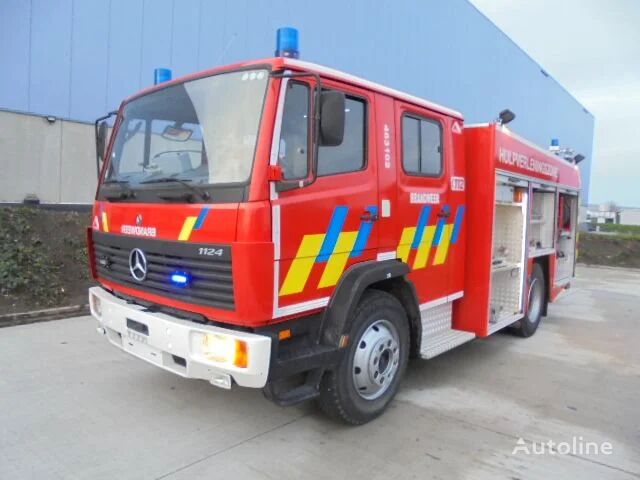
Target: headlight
224 349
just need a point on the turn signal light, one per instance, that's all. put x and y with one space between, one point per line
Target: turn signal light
284 334
241 358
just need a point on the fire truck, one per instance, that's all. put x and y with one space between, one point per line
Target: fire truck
281 225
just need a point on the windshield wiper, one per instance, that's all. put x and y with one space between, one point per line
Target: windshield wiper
124 185
201 193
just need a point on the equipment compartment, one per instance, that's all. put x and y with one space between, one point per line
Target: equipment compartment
566 243
507 260
541 223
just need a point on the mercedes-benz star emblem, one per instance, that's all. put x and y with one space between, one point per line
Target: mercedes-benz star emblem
139 219
138 264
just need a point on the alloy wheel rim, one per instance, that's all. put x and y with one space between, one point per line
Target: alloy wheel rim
376 359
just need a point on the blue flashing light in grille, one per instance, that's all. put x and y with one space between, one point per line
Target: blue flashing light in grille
180 279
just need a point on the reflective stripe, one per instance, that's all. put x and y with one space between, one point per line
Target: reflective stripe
422 257
364 232
441 224
201 218
187 227
443 247
422 222
105 224
335 227
301 266
405 243
337 261
457 224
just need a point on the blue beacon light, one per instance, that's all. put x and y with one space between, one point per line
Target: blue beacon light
287 43
161 75
179 279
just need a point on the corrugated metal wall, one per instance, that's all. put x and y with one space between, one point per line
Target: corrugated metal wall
79 58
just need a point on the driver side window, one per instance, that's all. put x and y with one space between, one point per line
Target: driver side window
293 150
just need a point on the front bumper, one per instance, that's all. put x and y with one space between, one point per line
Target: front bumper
175 344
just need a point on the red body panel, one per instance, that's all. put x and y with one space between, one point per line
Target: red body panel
471 313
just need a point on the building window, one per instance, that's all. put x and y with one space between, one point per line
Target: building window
294 134
349 156
421 146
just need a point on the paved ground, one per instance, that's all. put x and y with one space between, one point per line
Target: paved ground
72 406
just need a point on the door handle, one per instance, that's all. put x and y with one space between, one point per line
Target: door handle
444 214
369 217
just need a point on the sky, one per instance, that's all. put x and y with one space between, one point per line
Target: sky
592 47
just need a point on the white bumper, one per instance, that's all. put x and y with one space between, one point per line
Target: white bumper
175 344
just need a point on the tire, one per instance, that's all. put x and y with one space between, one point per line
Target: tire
361 387
528 325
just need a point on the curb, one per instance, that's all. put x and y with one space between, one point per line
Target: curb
35 316
608 267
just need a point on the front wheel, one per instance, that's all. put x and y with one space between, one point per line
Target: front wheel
368 376
528 325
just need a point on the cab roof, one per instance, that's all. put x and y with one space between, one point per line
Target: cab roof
282 63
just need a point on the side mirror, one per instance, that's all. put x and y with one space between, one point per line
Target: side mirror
101 130
332 105
101 139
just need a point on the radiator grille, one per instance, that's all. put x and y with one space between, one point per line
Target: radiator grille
211 280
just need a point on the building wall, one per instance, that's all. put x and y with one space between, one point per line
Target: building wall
54 161
78 59
630 216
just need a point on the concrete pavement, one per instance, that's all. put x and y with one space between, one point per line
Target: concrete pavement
72 406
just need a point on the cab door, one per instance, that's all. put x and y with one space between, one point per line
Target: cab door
328 221
427 216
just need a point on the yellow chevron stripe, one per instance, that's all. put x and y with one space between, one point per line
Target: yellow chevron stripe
301 266
404 247
338 260
187 228
425 247
105 224
443 247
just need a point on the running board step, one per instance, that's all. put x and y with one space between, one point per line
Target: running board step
443 341
297 395
437 334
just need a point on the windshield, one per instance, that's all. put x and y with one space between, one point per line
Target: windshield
203 132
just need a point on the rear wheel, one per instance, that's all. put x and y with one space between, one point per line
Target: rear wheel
528 325
368 376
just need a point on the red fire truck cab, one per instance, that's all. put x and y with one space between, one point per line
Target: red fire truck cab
281 225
